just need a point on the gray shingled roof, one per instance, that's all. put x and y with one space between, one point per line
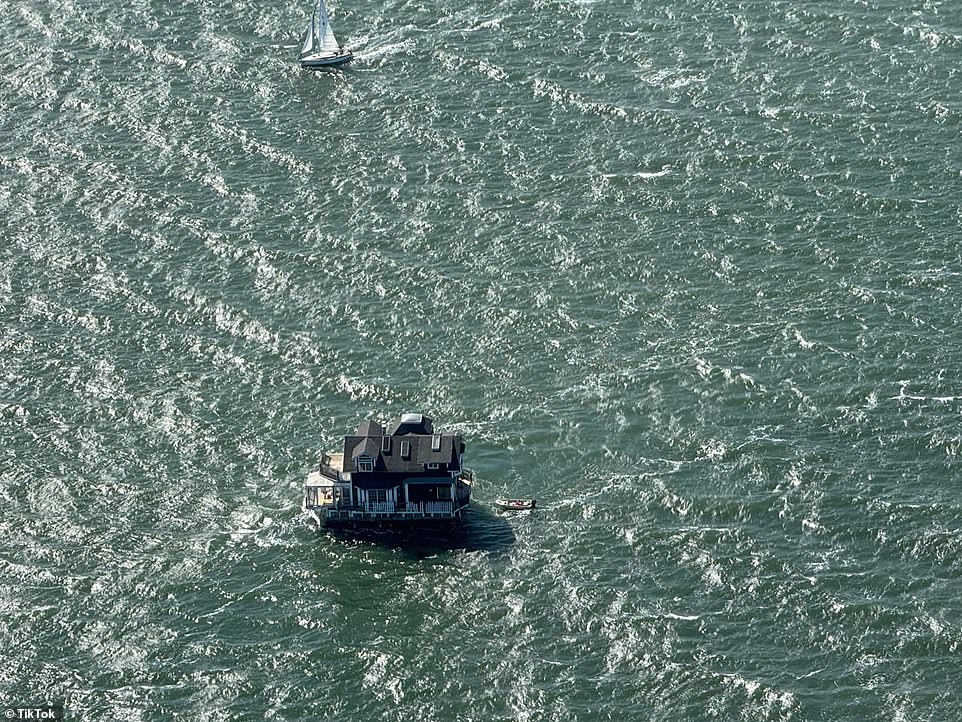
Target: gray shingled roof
412 431
370 427
367 445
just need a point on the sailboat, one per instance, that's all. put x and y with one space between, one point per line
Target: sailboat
320 48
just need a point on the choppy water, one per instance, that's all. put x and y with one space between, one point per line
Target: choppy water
689 273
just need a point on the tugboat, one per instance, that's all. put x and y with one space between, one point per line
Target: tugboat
391 476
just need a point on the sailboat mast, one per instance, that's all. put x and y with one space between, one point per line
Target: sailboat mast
320 46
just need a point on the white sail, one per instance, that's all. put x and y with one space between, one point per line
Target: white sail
308 40
324 40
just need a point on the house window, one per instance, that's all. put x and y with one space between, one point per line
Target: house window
386 444
436 442
365 463
377 496
433 465
444 492
406 449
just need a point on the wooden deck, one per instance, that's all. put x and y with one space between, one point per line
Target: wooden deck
337 462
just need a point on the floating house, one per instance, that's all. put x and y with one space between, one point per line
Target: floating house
391 475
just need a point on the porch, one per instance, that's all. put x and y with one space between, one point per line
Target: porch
391 511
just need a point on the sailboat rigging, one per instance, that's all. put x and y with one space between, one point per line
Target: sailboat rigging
320 48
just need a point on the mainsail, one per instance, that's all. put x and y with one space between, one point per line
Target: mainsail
320 36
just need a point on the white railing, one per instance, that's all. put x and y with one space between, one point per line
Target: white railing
431 507
381 507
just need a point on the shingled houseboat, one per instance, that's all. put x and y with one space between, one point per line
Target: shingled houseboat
397 475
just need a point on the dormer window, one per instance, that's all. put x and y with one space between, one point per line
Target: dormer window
365 463
386 444
405 449
436 442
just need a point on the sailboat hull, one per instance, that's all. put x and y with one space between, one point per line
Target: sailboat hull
326 60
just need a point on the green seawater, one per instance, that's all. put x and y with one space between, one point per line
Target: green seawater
688 273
